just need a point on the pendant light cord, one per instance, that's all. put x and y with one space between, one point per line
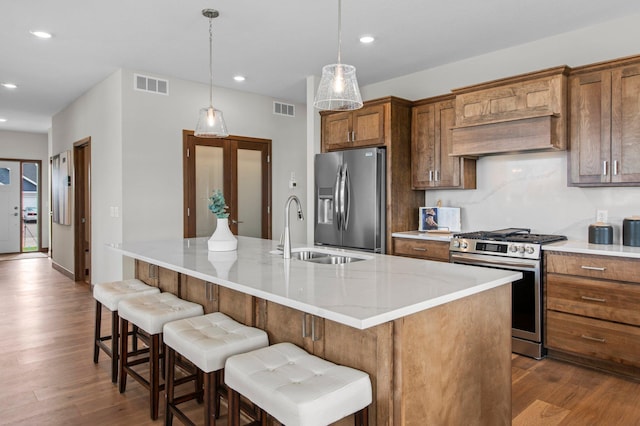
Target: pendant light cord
210 63
339 29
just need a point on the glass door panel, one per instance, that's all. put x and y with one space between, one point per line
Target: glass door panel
209 177
250 193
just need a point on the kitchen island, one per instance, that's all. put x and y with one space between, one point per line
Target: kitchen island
434 337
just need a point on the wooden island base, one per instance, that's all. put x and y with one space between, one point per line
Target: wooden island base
447 365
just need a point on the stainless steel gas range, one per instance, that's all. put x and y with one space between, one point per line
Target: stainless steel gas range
514 249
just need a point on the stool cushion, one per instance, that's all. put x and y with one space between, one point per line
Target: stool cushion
151 312
110 294
298 388
208 340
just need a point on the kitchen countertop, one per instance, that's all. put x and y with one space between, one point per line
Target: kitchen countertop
359 294
418 235
577 246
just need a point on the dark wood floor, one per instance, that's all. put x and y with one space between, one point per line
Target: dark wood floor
48 376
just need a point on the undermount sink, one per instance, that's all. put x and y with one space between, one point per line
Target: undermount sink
324 257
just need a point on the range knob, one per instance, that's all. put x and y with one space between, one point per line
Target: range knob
521 249
465 245
529 249
456 243
513 248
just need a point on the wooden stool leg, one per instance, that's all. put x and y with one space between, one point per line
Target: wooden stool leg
211 412
96 338
154 376
115 344
233 401
124 348
169 390
361 418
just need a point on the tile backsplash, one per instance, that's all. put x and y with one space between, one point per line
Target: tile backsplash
529 190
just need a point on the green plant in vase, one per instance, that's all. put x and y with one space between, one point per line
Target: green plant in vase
217 205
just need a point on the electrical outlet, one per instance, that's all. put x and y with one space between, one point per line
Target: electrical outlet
602 216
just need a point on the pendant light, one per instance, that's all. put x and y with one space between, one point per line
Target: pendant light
338 89
210 120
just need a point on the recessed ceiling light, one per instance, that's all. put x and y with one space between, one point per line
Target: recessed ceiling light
367 39
239 78
9 85
41 34
2 120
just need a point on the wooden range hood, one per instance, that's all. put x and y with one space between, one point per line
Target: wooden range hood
523 113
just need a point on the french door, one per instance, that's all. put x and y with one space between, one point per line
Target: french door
238 166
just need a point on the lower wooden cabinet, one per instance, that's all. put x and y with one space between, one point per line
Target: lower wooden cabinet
592 313
421 249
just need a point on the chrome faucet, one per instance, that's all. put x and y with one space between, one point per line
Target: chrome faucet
286 248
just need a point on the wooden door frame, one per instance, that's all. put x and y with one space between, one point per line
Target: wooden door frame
230 145
80 195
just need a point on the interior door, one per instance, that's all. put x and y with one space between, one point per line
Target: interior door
241 168
9 206
82 208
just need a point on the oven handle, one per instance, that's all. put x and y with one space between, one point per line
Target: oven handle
479 261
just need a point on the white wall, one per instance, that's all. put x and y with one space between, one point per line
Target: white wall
31 146
96 114
137 160
528 190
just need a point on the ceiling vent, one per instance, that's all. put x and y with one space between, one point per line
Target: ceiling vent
150 84
280 108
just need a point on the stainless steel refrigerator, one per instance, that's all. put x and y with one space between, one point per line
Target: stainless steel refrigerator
350 199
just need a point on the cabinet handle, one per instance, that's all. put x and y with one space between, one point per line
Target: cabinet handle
353 136
604 168
419 249
594 339
304 326
210 291
430 175
314 336
594 268
153 271
593 299
437 175
615 167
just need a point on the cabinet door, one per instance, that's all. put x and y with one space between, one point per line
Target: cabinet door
284 324
448 170
590 128
423 160
336 130
625 129
371 351
368 126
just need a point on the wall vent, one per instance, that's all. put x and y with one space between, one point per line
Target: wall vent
280 108
150 84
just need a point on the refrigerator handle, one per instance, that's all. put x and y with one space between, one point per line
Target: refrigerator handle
346 197
336 198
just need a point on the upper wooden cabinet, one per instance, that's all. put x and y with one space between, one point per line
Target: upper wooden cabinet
604 131
370 125
432 166
521 113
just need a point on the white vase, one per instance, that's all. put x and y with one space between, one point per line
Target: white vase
222 238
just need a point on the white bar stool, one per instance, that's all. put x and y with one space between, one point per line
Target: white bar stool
150 313
206 341
109 295
296 388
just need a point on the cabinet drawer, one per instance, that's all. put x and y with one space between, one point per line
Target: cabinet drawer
584 265
422 249
594 338
594 298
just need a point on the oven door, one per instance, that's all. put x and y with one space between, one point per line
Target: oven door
526 294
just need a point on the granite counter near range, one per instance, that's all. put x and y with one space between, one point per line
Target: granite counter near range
434 337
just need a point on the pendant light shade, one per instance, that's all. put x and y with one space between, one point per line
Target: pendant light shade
210 120
338 89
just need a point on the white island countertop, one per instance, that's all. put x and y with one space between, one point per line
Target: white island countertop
360 294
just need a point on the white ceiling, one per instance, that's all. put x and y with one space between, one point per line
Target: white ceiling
275 44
